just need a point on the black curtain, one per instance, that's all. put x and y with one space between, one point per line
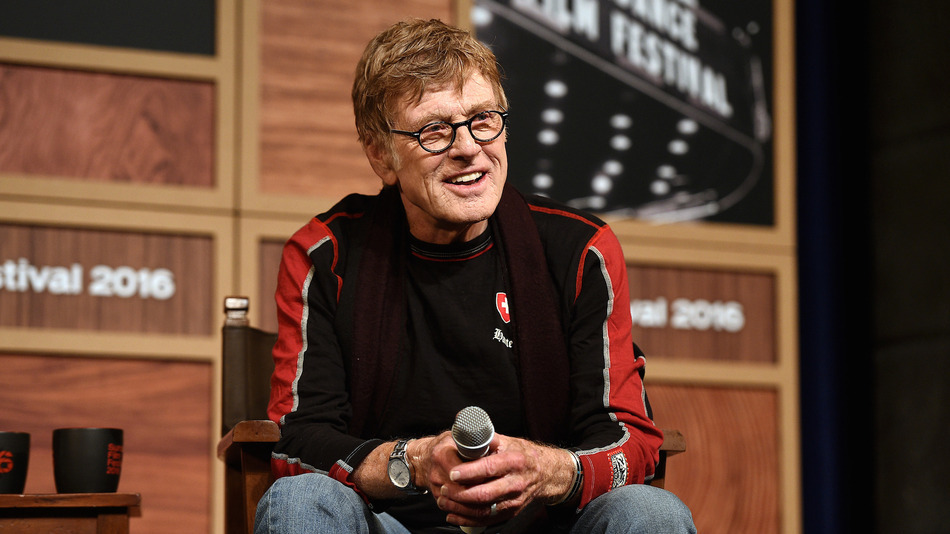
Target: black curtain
834 255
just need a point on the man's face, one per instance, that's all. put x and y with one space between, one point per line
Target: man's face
447 196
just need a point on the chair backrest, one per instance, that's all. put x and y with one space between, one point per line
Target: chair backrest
246 367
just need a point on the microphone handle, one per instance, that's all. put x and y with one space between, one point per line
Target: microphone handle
472 530
470 415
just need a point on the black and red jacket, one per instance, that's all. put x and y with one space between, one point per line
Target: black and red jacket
459 348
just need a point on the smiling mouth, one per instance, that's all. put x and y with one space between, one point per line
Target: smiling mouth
467 179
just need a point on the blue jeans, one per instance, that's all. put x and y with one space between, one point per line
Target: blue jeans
317 504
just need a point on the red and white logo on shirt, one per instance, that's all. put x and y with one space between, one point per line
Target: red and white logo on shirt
501 302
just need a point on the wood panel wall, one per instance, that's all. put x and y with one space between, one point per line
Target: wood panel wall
116 250
269 258
308 52
729 475
207 164
105 127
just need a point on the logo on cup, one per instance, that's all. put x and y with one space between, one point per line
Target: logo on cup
114 461
6 462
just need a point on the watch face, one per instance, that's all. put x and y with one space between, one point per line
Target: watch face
399 474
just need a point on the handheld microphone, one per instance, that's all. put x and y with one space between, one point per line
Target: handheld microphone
472 433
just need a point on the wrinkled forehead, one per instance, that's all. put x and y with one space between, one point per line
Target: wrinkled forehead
444 100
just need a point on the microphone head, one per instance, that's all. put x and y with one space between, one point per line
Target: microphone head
472 432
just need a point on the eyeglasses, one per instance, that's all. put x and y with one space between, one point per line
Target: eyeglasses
438 136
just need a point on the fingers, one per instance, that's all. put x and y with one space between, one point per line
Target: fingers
496 487
485 493
438 459
492 501
487 514
487 468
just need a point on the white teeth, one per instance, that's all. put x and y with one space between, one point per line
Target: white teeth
467 178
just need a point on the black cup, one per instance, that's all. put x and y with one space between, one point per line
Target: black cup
14 459
87 460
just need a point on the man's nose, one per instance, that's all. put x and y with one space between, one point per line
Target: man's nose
465 143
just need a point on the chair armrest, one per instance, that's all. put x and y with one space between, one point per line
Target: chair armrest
246 451
256 431
673 442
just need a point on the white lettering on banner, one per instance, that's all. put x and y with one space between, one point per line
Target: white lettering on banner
667 64
686 314
581 16
655 38
104 281
649 313
666 16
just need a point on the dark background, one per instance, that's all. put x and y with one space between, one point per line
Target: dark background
166 25
873 169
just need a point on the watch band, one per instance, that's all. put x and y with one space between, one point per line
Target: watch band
399 455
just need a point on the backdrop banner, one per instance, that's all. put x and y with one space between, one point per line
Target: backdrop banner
649 109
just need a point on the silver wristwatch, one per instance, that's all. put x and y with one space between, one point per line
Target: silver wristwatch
400 472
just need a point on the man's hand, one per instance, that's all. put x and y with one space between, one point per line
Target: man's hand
514 473
372 477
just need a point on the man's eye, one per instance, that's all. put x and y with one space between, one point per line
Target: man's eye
439 128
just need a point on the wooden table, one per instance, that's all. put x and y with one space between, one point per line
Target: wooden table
73 513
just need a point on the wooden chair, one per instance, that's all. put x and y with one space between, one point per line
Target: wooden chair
249 439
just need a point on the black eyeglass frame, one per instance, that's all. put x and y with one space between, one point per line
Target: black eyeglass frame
455 126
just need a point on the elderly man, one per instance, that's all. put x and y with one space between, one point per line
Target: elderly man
449 289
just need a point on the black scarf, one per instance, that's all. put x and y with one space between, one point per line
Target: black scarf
379 316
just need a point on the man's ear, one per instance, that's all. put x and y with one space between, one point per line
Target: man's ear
381 159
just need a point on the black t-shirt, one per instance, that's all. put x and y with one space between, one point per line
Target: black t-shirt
458 342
